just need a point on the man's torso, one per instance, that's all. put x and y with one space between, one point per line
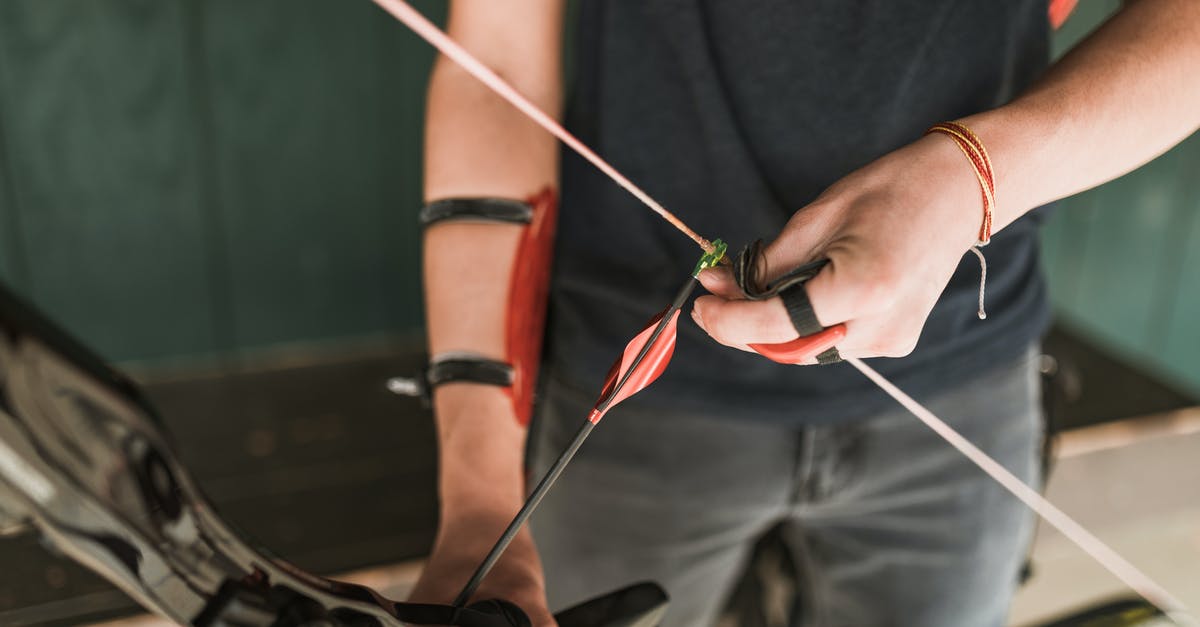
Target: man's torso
735 115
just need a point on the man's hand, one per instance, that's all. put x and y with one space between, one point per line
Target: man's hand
893 231
516 578
481 485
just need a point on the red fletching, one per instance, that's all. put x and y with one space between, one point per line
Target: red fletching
620 383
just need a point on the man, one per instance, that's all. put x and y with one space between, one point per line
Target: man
800 122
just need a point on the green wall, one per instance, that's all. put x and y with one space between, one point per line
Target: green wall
200 178
1124 259
203 177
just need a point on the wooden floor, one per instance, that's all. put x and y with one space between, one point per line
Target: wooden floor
1136 485
336 474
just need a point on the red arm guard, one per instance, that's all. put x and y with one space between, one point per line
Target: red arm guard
529 288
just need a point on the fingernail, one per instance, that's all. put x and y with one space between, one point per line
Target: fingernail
697 318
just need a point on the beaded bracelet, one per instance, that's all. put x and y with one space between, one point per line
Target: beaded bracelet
971 146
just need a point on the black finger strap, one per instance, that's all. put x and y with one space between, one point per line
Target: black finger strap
750 266
800 312
747 269
503 210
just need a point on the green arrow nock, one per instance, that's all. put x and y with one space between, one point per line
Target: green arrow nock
710 260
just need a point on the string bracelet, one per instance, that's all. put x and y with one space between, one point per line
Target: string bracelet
971 146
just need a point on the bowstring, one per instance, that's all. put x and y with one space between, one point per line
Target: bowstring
1107 557
1112 561
429 32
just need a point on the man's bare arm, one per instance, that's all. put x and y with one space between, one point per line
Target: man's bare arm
896 229
479 145
1125 95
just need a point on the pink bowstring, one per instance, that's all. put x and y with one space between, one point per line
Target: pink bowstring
429 32
1093 546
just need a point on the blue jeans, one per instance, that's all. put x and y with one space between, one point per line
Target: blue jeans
888 523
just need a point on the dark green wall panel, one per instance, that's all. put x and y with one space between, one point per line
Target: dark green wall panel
1064 237
11 245
1180 354
5 263
258 162
98 145
301 133
1130 220
1121 262
1087 16
9 241
402 78
1178 345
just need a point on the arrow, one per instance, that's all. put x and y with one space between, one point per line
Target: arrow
643 360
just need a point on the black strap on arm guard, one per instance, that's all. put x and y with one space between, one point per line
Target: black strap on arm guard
476 210
464 367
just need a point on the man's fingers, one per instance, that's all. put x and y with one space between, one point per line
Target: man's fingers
738 323
841 292
719 282
860 295
799 242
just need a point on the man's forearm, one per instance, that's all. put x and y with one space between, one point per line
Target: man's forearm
1126 94
478 145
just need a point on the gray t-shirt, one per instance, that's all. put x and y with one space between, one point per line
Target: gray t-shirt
736 114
